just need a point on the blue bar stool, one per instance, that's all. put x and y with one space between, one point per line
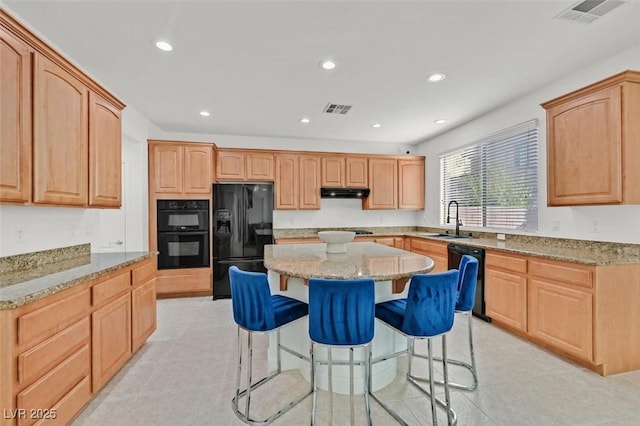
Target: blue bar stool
467 282
255 310
341 314
427 312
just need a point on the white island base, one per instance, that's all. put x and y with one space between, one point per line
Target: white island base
296 337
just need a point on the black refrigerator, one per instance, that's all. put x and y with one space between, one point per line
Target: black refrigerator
242 225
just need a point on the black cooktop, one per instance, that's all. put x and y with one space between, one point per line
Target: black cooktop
362 232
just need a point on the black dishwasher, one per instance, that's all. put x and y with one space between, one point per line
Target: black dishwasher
455 253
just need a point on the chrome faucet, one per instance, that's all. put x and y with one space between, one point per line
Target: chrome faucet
458 221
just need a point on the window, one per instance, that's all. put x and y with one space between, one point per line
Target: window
494 180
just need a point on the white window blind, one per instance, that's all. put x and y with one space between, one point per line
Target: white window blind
494 180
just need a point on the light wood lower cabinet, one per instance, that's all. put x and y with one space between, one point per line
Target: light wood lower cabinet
110 339
435 250
586 313
506 289
57 352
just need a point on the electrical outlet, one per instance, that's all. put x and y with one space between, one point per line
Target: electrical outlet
555 225
501 237
595 226
19 233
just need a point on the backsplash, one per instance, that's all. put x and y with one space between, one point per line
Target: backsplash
20 262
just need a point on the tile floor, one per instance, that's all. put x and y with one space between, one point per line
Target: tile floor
185 374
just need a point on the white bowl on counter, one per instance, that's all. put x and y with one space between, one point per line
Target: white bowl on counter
336 240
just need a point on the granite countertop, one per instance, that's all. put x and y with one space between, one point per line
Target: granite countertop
597 253
20 287
362 260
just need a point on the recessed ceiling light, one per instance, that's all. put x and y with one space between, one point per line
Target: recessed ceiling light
304 120
163 45
376 125
328 65
440 121
205 113
436 76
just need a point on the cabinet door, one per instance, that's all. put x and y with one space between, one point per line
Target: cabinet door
286 182
506 298
197 169
333 172
60 136
383 182
105 153
111 339
584 141
259 166
143 313
309 182
230 165
15 119
167 166
356 172
561 317
411 184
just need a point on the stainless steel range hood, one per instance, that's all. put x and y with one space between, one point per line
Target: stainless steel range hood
344 192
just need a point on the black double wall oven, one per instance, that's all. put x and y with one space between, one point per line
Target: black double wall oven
183 234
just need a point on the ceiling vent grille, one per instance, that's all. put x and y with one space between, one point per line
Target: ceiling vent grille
336 109
589 10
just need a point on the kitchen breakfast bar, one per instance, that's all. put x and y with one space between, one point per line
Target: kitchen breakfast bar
290 266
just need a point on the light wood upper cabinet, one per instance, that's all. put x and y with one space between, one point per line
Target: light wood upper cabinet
411 184
230 165
178 169
287 182
333 171
241 165
60 136
15 119
60 131
105 153
344 171
260 166
297 183
309 182
383 182
356 175
197 169
593 143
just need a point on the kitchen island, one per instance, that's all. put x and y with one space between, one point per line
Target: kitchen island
292 265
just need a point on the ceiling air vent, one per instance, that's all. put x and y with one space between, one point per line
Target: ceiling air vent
336 109
589 10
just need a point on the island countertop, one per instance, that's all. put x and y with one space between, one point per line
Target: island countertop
362 260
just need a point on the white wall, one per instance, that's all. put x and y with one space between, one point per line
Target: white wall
603 223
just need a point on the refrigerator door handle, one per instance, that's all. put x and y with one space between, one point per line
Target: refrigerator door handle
233 262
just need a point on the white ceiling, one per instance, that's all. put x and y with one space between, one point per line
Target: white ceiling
255 64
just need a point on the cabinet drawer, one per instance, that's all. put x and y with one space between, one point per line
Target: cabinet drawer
425 246
144 272
562 272
69 405
40 359
53 386
111 287
43 323
506 261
